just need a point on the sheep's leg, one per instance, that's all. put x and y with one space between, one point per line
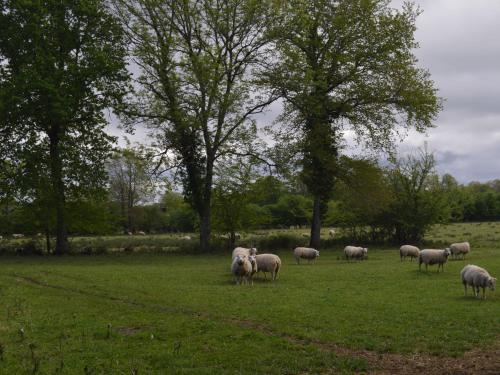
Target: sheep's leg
465 286
483 292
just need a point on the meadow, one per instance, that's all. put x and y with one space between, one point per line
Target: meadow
154 312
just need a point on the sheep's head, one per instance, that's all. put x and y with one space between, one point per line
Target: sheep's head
240 260
447 252
492 282
317 253
253 251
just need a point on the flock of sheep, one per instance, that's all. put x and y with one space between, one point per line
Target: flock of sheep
246 263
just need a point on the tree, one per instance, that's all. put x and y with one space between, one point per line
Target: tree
62 63
130 182
347 64
419 200
196 62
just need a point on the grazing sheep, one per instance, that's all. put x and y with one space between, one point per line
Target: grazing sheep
305 253
129 233
237 235
355 252
141 233
269 263
477 277
241 268
331 233
17 235
408 251
433 256
187 238
244 251
460 248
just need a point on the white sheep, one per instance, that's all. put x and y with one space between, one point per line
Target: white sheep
269 263
331 233
244 251
355 252
241 268
433 256
17 235
1 237
305 253
460 248
129 233
237 235
408 251
477 277
187 238
253 261
141 233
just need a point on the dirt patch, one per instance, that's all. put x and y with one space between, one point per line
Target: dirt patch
476 361
130 331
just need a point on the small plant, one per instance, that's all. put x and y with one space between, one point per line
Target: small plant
108 334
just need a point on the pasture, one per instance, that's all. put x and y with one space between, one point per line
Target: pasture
170 313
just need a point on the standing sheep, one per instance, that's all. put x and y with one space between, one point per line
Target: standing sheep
331 233
305 253
355 252
17 235
241 268
460 248
253 261
269 263
408 251
244 251
433 256
141 233
477 277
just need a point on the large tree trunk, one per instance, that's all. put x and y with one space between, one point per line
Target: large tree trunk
315 239
59 196
205 229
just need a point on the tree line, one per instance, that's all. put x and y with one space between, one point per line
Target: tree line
196 73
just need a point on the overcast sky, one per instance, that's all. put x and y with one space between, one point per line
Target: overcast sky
460 46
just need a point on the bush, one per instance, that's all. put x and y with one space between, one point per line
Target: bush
30 248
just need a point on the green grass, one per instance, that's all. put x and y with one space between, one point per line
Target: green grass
182 314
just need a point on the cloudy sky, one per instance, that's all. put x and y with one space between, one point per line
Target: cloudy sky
460 46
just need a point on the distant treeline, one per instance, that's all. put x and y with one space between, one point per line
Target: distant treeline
398 203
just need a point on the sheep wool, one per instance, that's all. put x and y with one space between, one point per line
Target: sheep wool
241 268
408 251
433 256
305 253
244 251
477 277
355 252
269 263
460 248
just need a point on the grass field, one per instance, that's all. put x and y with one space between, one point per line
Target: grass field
181 314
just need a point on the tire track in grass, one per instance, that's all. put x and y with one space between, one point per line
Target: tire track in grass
476 361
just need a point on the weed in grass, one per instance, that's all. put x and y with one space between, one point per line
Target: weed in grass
2 351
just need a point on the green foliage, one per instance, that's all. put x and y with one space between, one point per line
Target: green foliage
61 65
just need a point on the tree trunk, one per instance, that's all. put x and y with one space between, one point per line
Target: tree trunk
316 224
59 197
205 229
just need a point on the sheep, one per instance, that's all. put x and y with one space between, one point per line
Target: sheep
459 248
237 235
141 233
17 235
477 277
1 237
269 263
305 235
408 251
355 252
187 238
433 256
129 233
253 261
331 233
306 253
241 268
244 251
